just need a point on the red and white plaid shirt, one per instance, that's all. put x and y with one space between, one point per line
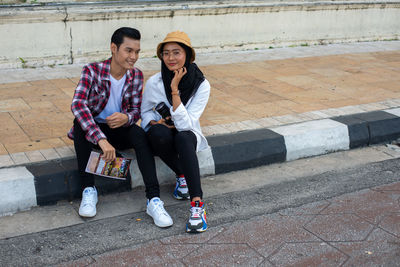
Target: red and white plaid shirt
92 93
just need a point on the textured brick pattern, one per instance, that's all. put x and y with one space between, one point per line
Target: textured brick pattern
262 93
356 229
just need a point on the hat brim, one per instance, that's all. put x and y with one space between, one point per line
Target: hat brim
175 40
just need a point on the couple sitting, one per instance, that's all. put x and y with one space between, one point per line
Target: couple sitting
108 102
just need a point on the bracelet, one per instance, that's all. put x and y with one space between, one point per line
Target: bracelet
175 92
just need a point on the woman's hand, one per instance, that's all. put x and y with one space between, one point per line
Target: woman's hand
178 74
162 121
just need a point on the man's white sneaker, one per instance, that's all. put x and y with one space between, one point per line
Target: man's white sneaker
88 203
155 209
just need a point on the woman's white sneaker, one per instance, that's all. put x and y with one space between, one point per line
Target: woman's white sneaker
155 209
88 203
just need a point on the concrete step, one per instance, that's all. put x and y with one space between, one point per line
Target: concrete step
54 181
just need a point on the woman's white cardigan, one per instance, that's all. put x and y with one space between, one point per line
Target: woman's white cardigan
185 118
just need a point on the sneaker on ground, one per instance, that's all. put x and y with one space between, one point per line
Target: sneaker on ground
88 203
197 222
155 209
181 190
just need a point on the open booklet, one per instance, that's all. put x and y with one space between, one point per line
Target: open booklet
116 169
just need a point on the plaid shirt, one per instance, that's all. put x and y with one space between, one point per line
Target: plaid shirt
92 94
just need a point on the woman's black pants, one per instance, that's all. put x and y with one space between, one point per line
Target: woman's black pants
120 138
178 151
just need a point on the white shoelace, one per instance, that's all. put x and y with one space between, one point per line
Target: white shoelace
182 181
195 212
88 199
159 208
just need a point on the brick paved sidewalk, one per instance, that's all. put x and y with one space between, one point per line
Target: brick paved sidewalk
342 230
36 114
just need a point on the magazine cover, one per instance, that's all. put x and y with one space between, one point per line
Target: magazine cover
117 169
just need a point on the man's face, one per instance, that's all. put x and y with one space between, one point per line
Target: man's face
127 54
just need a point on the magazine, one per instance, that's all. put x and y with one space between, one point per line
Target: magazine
116 169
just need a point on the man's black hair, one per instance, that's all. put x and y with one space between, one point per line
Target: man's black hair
118 36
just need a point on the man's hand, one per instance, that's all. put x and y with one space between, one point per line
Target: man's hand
116 120
108 150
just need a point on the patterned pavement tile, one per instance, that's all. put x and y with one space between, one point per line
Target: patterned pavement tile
219 112
223 255
266 233
63 83
349 102
240 92
34 145
308 209
47 130
13 85
19 158
388 187
15 104
380 249
389 85
231 100
339 227
150 254
35 156
368 204
391 223
9 125
261 110
308 254
195 238
42 105
3 150
5 160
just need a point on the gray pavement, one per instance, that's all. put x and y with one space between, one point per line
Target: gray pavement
271 215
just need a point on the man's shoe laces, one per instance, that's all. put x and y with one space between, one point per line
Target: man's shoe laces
87 200
159 207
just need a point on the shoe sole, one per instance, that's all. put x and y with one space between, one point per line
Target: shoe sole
87 215
193 231
159 225
181 198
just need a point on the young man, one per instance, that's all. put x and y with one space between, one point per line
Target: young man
106 106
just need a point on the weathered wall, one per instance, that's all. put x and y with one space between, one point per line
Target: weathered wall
45 35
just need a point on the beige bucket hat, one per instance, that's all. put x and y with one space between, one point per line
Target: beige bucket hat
176 37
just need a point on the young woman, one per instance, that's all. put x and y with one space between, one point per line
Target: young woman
177 136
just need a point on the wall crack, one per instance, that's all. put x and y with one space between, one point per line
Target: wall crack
71 54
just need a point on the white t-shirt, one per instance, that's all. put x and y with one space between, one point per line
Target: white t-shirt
115 100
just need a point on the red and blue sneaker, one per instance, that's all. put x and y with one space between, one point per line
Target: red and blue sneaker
181 190
197 222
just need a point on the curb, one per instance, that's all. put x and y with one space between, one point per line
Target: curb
49 182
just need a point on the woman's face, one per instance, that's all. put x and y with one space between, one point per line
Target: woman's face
174 56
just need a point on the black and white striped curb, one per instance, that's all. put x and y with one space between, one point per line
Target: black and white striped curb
44 183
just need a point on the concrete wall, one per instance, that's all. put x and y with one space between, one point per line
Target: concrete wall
65 34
